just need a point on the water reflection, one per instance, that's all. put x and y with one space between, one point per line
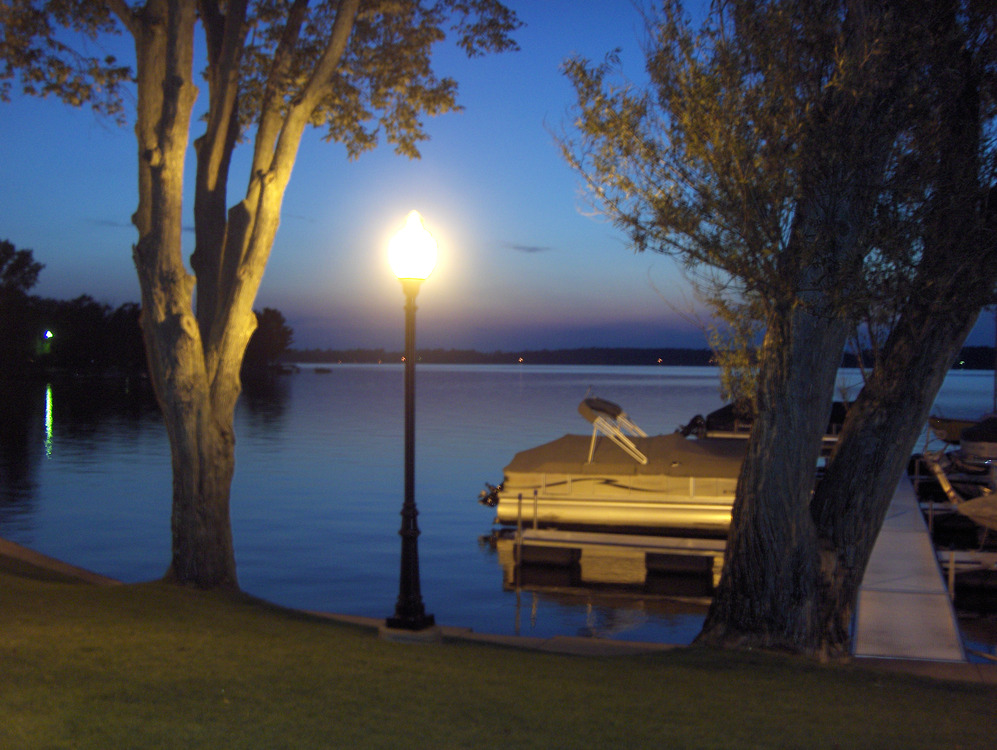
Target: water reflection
22 432
264 397
85 406
93 426
48 420
42 417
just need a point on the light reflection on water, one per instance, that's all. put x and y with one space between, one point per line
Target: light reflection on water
318 487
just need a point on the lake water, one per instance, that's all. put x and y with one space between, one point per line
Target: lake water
85 477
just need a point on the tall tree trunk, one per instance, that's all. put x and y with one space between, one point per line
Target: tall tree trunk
194 361
771 554
955 278
203 451
201 441
767 594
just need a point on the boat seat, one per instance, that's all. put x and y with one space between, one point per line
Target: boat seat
610 419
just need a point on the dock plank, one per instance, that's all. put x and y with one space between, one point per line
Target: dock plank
903 609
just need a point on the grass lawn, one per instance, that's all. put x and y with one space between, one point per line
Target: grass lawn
152 665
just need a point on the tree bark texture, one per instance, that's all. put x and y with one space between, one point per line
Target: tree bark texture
760 602
768 595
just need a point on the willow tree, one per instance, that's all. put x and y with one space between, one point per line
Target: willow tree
764 147
360 69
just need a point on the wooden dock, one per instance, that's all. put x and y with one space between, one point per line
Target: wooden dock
903 610
623 560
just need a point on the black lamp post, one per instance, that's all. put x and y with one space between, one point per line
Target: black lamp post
413 256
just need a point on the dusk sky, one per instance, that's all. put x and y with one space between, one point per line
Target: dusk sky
523 262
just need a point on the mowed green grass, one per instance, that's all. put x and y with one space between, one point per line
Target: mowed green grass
153 665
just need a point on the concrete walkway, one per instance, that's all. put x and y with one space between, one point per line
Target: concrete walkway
903 609
984 674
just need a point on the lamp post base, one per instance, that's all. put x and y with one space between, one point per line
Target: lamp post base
402 634
419 621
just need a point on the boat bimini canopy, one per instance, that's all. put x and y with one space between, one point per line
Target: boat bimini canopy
610 419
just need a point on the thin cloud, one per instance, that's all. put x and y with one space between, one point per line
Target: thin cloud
115 224
529 248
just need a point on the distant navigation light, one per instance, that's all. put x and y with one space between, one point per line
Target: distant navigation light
49 334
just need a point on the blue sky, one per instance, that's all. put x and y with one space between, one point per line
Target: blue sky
523 262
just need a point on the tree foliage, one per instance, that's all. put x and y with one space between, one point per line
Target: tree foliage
18 270
37 54
271 340
18 274
709 161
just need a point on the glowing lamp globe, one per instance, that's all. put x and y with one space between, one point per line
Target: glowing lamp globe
412 251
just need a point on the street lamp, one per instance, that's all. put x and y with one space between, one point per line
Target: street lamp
412 255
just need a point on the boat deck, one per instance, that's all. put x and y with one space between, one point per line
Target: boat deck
903 609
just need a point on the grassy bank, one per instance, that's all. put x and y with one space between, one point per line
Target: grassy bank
155 666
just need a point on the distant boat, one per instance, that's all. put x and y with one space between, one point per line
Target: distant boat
733 421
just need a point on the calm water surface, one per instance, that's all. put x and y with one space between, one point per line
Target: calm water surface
85 476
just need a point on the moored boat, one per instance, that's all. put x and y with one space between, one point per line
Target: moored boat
949 430
621 480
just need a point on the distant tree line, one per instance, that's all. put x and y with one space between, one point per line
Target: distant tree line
972 357
79 334
583 356
270 342
83 335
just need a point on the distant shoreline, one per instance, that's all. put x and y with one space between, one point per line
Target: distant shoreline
589 356
971 357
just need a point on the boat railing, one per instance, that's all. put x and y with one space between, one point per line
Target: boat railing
932 461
